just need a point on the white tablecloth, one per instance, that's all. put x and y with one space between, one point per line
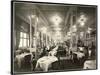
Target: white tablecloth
19 58
90 64
45 62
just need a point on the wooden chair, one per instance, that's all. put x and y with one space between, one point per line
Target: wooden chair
27 61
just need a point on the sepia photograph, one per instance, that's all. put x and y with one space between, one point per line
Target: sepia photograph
53 37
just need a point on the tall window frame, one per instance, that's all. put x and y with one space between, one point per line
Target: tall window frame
24 40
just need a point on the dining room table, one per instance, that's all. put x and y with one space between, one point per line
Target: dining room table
45 62
19 58
89 64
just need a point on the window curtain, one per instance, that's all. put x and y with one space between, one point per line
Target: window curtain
17 39
17 32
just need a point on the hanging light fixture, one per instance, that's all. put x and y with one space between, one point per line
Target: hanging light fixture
82 24
89 30
56 19
82 20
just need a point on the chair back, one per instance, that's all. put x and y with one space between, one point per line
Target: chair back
27 58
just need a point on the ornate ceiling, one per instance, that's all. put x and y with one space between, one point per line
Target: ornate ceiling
56 17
